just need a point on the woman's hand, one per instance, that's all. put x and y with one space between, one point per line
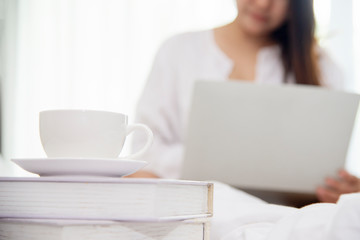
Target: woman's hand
142 174
345 183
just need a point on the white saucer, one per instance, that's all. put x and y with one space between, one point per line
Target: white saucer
80 167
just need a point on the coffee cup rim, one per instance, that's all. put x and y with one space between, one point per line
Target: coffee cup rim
81 110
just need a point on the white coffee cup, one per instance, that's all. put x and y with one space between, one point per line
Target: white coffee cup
87 134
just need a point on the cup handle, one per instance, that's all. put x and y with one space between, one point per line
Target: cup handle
150 137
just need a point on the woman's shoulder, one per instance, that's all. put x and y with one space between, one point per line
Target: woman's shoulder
186 42
192 37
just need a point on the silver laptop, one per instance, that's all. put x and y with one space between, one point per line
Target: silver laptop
265 137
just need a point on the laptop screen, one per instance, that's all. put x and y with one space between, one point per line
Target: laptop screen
281 138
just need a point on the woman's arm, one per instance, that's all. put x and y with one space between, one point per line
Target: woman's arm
157 108
142 174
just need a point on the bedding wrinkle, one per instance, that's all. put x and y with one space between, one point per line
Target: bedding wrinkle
240 216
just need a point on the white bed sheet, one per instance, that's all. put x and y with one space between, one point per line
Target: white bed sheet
240 216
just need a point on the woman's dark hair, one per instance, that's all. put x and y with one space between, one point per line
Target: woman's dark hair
297 41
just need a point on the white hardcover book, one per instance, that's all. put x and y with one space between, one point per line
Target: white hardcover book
104 198
50 229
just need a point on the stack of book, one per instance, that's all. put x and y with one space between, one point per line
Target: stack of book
104 209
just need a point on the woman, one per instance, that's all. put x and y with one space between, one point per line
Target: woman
270 42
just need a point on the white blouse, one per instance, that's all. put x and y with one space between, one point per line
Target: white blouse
165 101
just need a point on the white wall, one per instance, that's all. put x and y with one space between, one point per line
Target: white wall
8 58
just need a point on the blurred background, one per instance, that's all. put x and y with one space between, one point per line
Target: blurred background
96 54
